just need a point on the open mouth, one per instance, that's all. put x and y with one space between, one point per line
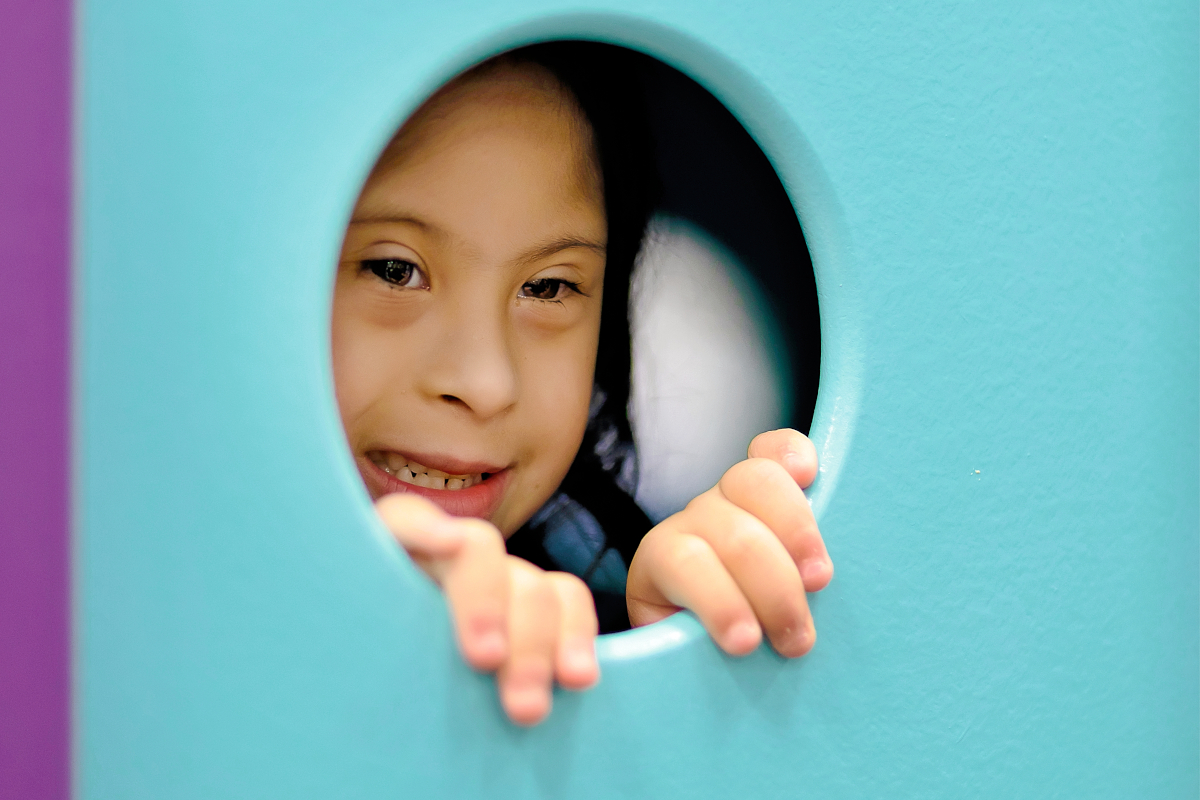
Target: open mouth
415 474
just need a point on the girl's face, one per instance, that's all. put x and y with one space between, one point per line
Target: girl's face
466 310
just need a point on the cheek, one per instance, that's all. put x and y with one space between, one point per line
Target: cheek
556 391
359 352
559 387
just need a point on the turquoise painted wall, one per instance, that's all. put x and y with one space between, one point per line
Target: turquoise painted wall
1001 201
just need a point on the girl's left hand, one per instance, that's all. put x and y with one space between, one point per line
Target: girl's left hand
742 555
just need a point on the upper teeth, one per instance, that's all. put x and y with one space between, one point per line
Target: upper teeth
420 475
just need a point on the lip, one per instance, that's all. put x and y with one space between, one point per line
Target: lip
480 500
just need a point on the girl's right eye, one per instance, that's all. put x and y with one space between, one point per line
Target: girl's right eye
397 272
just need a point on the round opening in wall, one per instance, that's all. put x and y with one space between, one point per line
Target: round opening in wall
571 291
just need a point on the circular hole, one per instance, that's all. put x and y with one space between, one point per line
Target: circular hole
474 294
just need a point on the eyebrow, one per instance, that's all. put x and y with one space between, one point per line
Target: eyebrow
394 218
557 246
529 256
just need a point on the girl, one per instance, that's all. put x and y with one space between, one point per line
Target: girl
481 360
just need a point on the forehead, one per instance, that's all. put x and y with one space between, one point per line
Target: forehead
493 165
490 105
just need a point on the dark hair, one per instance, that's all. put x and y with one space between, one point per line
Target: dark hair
608 84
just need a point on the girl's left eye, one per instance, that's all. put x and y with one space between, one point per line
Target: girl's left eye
548 289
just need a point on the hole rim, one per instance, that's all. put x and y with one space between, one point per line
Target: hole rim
778 133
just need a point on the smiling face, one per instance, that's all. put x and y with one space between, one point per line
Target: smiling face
466 309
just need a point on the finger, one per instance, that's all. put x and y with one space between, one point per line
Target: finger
790 449
760 566
575 661
420 526
476 583
525 679
689 575
762 488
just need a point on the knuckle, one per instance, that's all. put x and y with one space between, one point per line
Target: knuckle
575 599
542 592
532 584
699 507
751 475
765 470
741 538
569 586
529 668
689 552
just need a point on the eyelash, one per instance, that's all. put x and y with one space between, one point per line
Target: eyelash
398 272
394 271
558 284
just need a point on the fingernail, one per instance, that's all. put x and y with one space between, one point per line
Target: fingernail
526 696
797 642
490 641
580 658
742 637
527 704
815 570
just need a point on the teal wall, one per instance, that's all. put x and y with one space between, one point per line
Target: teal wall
1002 205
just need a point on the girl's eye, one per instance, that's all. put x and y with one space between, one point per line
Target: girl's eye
548 289
396 272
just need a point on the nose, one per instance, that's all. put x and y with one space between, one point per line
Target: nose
471 363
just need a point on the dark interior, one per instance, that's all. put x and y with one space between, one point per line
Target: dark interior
715 175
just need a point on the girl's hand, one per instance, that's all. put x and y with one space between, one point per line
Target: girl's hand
529 626
742 555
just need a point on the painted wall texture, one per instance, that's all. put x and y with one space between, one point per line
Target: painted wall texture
1001 204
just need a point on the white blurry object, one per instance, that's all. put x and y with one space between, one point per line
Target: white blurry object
708 371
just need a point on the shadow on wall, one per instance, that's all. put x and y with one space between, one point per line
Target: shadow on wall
726 332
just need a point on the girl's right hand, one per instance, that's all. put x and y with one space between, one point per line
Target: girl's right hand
529 626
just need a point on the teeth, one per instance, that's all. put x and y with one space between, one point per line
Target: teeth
420 475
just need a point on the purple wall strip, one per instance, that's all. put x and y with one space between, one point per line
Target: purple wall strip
35 235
